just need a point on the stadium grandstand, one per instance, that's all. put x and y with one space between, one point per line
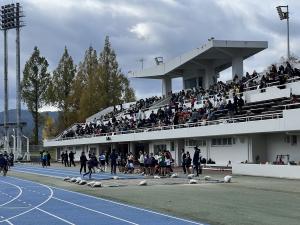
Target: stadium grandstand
253 118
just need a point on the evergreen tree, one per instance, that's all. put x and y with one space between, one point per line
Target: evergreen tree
34 87
60 88
114 84
83 87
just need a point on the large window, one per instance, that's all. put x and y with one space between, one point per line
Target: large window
291 139
159 148
223 141
195 142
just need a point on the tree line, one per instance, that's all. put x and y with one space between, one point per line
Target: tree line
77 91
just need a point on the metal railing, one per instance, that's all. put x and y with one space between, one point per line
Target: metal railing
186 125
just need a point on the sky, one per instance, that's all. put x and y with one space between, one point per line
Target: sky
145 29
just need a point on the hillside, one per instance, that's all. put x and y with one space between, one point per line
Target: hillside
25 117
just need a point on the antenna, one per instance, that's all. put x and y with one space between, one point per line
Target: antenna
141 60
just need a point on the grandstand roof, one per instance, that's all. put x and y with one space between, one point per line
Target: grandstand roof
220 52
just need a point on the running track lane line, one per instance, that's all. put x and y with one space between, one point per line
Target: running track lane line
10 223
20 214
57 217
48 173
15 198
102 213
122 204
130 206
68 171
45 175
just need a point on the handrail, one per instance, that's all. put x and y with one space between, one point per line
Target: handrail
185 125
293 79
272 84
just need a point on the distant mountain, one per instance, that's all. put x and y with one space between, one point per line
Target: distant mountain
25 117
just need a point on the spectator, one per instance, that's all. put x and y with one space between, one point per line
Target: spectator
113 161
83 161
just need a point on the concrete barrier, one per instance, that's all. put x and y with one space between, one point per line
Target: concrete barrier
267 170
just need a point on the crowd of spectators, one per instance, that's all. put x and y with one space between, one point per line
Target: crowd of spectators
183 106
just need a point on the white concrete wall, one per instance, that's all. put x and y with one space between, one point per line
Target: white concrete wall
259 147
270 93
280 171
277 146
236 153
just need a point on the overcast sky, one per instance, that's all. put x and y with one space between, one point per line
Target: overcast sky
146 29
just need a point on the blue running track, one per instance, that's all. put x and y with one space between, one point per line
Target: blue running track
64 172
25 202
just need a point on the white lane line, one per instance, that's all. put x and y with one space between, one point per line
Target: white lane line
2 217
10 223
57 217
19 171
20 193
118 203
20 214
130 206
102 213
65 172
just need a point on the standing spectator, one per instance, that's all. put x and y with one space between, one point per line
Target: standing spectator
71 156
102 162
230 109
113 161
141 162
196 160
3 164
83 161
183 161
66 159
62 157
48 158
44 158
188 162
11 159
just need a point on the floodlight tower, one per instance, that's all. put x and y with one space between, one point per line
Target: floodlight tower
10 16
284 15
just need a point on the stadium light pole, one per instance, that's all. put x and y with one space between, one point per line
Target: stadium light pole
284 15
10 19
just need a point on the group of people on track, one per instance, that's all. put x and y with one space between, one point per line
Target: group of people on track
67 159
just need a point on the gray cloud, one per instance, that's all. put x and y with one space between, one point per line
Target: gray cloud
146 29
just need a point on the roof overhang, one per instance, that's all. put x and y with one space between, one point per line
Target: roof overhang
218 53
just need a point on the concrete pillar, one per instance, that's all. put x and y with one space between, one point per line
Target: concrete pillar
208 78
237 66
131 147
166 86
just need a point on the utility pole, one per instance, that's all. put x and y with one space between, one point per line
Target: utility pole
6 142
18 80
284 15
10 19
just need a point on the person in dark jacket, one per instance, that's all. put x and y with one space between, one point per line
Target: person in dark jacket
66 159
71 157
196 160
113 161
183 161
3 164
83 161
90 164
48 158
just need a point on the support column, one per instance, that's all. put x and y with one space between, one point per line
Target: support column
131 147
209 77
6 139
18 93
237 66
166 86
